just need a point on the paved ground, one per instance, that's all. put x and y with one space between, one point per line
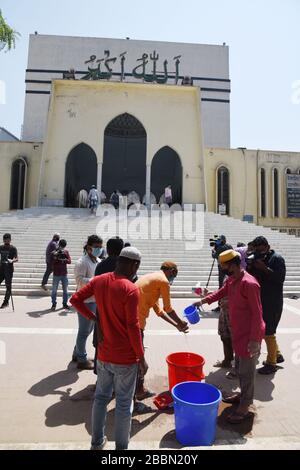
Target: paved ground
45 402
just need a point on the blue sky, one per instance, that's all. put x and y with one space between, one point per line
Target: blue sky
263 35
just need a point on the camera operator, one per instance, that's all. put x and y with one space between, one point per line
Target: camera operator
219 245
269 269
8 256
60 259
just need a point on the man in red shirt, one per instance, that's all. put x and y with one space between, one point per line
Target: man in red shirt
247 327
121 351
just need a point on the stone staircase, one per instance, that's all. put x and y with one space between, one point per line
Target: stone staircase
31 230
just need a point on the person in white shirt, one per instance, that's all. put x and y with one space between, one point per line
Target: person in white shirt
93 199
168 195
84 271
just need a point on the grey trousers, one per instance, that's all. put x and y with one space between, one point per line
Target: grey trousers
246 370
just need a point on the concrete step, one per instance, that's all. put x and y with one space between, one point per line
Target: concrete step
33 228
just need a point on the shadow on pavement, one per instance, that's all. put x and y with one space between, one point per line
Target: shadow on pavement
73 410
49 385
40 313
76 409
263 384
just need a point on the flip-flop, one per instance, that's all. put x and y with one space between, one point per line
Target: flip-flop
237 418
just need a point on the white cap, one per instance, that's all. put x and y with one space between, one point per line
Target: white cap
131 252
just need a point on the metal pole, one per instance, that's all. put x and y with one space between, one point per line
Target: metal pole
212 267
12 302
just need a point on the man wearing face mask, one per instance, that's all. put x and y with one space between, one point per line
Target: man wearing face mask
247 328
84 271
269 269
153 286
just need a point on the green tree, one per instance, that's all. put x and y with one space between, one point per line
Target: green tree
8 35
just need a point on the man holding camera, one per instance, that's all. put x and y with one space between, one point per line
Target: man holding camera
269 269
219 245
8 256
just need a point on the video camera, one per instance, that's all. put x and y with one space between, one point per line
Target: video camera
215 242
4 258
60 255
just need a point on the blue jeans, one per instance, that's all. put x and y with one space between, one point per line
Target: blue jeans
121 378
85 327
65 282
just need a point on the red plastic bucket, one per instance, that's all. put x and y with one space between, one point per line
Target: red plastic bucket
185 367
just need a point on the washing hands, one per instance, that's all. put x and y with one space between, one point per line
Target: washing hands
183 327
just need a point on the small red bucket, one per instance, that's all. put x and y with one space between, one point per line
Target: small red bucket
185 367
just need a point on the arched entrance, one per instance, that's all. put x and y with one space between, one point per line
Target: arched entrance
124 160
81 173
166 170
18 184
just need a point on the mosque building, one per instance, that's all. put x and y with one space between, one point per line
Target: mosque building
137 116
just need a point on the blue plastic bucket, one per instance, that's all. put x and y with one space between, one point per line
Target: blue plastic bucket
192 314
196 407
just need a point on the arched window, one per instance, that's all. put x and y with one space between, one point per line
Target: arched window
18 184
262 192
288 171
223 189
80 173
166 169
275 193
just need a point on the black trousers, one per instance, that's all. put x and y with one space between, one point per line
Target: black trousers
49 270
7 276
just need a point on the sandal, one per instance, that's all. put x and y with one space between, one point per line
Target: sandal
238 418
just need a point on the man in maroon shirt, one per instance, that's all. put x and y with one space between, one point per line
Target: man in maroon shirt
247 327
121 351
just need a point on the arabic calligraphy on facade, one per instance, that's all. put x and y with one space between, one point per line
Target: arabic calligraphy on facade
101 69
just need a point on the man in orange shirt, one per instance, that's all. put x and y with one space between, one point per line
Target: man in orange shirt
153 286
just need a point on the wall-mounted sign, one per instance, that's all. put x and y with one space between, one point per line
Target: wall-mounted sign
222 209
146 70
293 195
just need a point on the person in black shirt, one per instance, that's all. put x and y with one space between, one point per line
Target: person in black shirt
220 246
114 247
269 269
8 256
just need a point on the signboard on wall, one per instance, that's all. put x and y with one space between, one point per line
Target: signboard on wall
222 209
293 195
